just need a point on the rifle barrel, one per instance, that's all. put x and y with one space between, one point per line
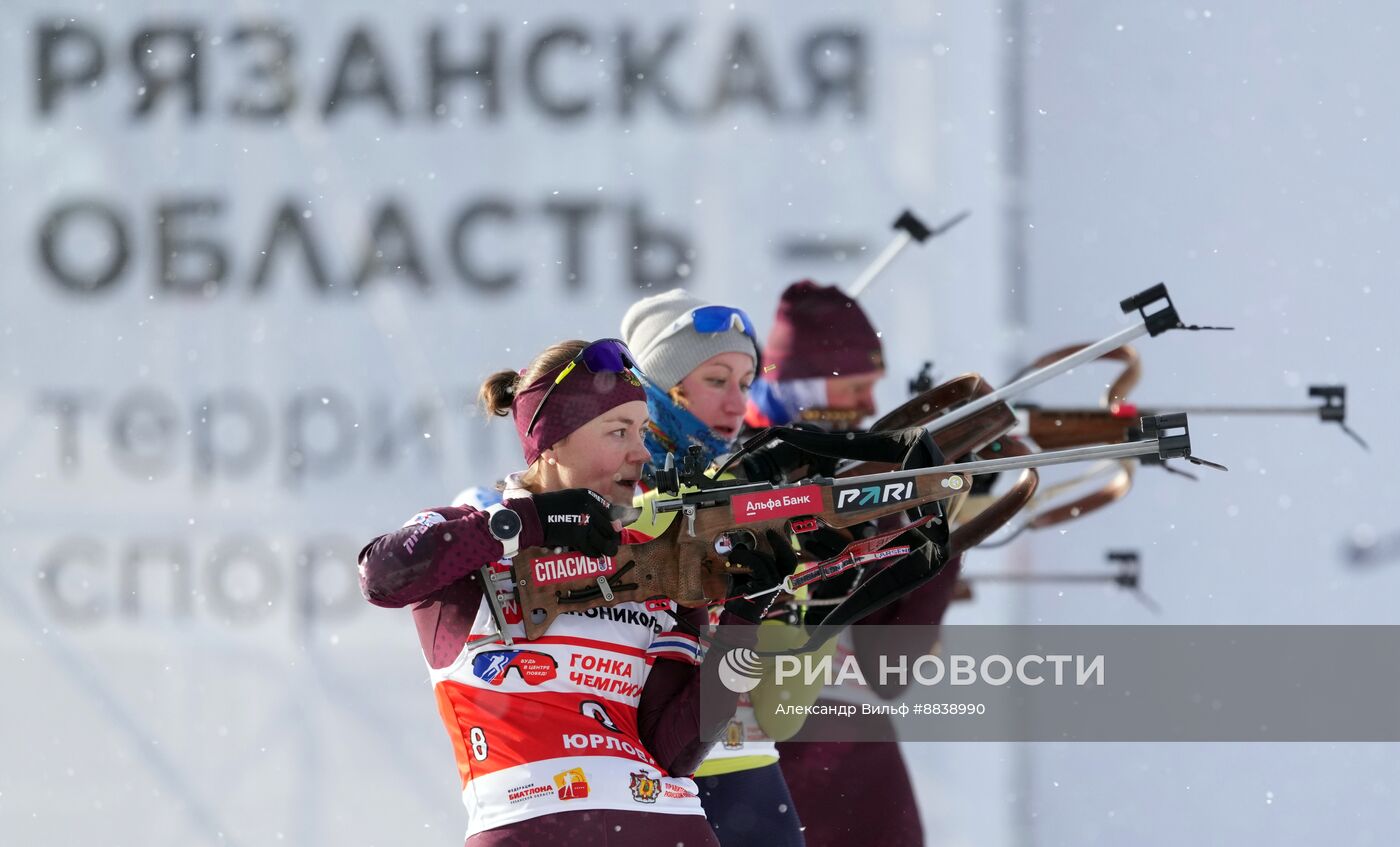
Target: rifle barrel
1188 409
1016 463
898 243
1043 577
1036 377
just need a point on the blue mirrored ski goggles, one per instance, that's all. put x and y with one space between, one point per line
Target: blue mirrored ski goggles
709 320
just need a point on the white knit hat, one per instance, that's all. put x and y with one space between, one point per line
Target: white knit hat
667 361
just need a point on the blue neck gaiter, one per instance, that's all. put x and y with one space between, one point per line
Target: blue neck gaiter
673 429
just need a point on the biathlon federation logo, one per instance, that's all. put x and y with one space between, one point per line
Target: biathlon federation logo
571 784
740 670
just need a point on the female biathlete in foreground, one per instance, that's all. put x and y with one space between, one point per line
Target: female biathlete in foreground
586 735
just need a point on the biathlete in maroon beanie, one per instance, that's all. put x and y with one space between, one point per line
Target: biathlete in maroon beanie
586 735
701 360
823 361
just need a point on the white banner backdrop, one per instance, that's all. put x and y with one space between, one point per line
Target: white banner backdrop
1241 153
260 258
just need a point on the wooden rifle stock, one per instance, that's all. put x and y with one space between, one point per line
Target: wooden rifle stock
965 438
1055 429
684 565
958 440
992 518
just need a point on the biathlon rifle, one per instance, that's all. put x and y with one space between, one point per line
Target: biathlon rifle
688 562
1065 427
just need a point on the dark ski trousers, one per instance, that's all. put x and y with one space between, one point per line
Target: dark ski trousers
853 792
751 808
600 828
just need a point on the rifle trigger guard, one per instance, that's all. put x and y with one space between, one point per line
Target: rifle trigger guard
728 542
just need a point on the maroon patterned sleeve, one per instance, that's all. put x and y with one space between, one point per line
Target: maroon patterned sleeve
668 716
435 549
444 621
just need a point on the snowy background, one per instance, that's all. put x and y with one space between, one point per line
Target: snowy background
200 424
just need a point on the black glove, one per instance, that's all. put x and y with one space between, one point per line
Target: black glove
765 571
578 519
778 461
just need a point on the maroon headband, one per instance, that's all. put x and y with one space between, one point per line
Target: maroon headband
581 397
